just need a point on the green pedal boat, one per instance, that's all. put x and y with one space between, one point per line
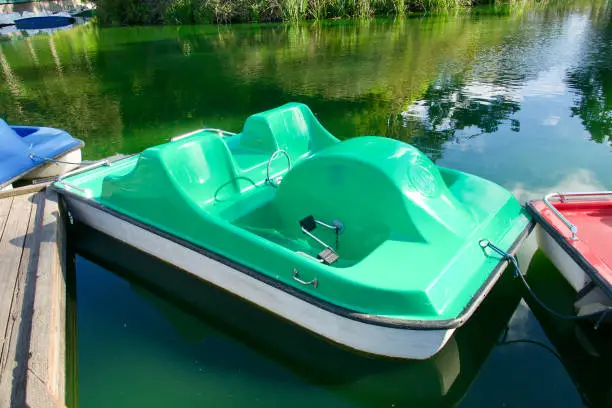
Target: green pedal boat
365 242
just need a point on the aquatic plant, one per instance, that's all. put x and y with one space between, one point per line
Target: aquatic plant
139 12
399 7
317 9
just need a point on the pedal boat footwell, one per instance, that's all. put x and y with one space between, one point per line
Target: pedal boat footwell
233 209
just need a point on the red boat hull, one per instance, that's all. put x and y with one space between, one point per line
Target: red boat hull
591 249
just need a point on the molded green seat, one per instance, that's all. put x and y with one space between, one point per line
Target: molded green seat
291 127
203 168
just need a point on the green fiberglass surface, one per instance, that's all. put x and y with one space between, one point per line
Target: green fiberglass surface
409 231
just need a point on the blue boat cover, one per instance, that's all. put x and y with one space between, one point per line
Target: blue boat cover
42 22
22 148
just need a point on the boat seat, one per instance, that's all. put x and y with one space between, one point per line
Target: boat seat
203 168
200 170
292 128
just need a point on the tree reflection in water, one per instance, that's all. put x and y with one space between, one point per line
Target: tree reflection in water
592 82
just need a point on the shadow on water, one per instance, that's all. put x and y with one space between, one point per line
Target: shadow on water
585 352
218 328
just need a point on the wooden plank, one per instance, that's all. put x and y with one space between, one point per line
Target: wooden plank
57 352
46 364
38 395
11 247
14 367
5 208
29 189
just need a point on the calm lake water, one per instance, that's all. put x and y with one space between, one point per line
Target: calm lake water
523 99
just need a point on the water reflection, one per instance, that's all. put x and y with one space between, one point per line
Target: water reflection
451 105
426 81
592 81
50 82
12 33
487 95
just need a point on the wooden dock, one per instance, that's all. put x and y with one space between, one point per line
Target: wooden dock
32 299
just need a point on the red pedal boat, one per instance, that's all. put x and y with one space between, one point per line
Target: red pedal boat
575 231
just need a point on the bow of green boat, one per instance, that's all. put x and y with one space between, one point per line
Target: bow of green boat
367 227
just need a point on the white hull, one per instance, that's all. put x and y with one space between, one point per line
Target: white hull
365 337
56 169
526 252
595 300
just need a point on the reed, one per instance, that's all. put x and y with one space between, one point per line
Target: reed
294 10
179 12
399 7
142 12
363 9
443 5
317 9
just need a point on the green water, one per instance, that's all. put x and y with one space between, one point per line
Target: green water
524 100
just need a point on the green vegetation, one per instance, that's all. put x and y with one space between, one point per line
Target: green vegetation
176 12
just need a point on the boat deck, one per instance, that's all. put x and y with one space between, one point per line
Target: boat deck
594 222
32 299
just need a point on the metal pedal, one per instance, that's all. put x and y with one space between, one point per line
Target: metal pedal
328 256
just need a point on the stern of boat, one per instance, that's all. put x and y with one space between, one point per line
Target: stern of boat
63 164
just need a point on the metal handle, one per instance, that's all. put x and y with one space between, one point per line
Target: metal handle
85 191
296 277
274 155
97 164
573 229
563 198
311 235
70 185
221 132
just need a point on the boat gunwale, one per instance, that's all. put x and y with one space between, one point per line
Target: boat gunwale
80 145
376 320
572 251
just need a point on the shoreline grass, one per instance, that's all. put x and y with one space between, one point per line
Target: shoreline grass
179 12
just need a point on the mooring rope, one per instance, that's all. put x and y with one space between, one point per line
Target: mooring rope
517 272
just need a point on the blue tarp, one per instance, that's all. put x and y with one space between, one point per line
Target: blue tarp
42 22
24 147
